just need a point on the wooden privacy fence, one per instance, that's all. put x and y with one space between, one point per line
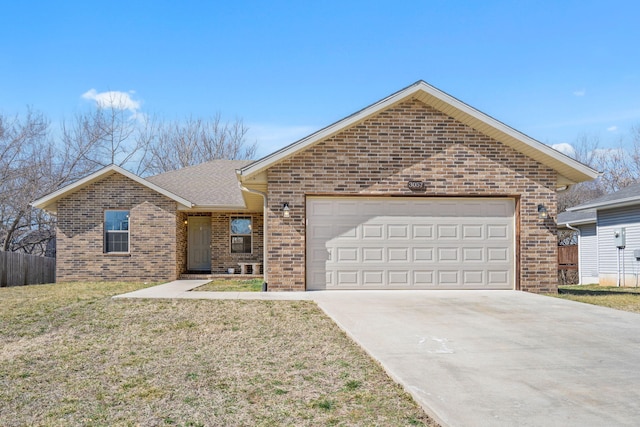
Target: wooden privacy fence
17 269
568 257
568 265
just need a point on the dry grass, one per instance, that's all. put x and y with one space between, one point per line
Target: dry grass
70 355
232 285
627 299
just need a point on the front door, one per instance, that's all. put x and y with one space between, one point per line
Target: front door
199 243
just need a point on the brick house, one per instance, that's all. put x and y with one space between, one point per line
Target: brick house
417 191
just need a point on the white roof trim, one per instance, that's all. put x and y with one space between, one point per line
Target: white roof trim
579 222
47 201
628 201
420 86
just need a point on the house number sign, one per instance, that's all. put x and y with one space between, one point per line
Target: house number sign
415 185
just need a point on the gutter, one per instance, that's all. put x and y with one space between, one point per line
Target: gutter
265 284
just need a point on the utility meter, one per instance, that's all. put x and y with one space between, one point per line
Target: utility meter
619 237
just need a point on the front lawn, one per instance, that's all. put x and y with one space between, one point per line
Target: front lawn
232 285
71 355
627 299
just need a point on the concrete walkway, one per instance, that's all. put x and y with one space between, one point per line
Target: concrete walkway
486 358
183 288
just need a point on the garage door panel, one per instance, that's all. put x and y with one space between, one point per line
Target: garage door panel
346 208
423 278
448 255
471 232
497 232
347 278
398 231
413 243
448 277
398 254
320 254
472 254
498 278
498 209
398 278
497 254
447 231
322 231
473 277
373 277
445 209
372 254
422 255
321 208
346 231
372 231
422 231
346 254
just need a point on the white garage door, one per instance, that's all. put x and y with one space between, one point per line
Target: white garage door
410 243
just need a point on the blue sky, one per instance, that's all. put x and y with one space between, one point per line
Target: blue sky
553 70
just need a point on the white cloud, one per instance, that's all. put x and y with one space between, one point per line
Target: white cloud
580 92
612 128
113 99
564 148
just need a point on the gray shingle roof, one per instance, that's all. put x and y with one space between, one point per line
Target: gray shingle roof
627 196
579 217
208 184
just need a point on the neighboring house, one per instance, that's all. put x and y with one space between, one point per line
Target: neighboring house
597 221
417 191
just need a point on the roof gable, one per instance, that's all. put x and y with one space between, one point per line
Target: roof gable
569 170
49 202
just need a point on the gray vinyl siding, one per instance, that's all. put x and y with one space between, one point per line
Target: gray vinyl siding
588 252
608 220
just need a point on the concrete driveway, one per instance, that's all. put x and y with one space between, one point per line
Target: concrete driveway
500 358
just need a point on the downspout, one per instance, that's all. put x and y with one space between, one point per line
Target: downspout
577 230
264 232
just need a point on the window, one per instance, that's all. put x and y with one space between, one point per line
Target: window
116 231
241 235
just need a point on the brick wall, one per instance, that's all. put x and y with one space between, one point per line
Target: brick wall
221 255
411 141
181 243
80 233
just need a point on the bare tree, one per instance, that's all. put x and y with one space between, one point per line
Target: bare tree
33 164
585 150
24 153
178 144
108 134
619 167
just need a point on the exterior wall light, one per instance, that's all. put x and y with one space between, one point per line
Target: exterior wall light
542 212
285 210
186 222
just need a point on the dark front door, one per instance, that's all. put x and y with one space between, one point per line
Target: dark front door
199 243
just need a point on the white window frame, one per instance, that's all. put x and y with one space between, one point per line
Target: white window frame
232 235
127 232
